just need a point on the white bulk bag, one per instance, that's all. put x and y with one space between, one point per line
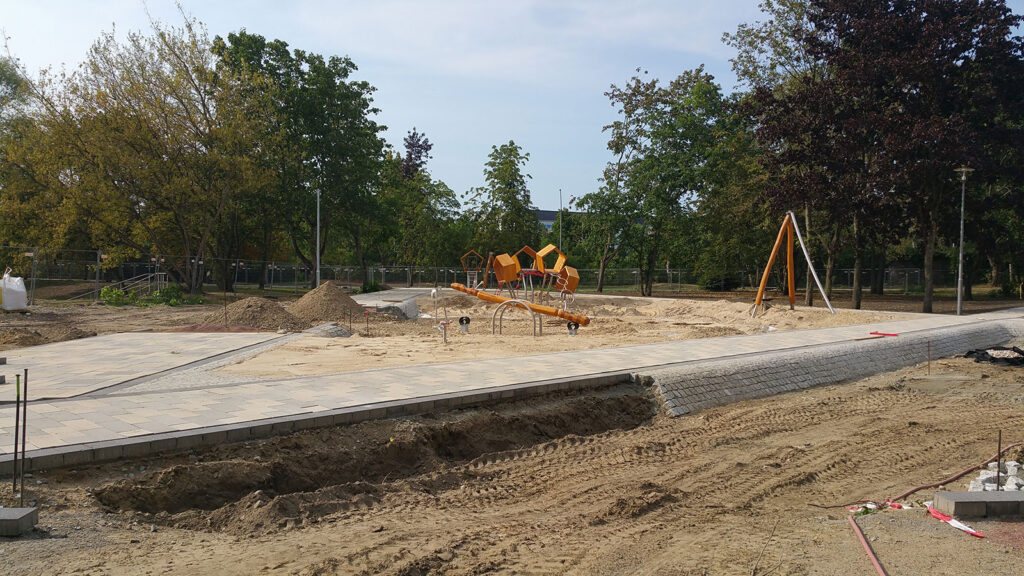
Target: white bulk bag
12 293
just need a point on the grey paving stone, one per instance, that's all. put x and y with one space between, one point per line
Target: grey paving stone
17 521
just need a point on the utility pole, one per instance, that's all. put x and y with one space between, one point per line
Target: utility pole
964 171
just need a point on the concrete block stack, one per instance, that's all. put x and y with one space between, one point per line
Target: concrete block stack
1011 478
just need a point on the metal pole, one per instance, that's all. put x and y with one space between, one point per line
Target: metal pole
560 219
317 238
810 266
998 461
24 434
17 425
963 170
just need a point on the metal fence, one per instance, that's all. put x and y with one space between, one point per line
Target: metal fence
82 274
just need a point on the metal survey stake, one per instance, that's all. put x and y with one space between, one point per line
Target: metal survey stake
17 425
24 434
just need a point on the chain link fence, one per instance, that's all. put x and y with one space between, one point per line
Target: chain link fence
81 274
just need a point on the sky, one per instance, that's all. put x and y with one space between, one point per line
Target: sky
470 74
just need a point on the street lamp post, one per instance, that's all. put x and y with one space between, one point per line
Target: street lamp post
560 219
964 171
317 238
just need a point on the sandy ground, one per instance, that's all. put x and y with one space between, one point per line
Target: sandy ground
386 343
601 485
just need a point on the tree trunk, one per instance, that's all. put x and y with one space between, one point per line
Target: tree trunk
600 275
880 264
994 275
357 245
970 272
809 288
833 249
929 266
857 264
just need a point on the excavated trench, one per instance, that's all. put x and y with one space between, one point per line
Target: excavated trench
296 479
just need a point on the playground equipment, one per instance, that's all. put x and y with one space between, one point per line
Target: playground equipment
472 262
529 288
789 228
520 303
443 325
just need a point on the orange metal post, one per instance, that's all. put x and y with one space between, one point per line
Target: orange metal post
771 261
790 272
487 269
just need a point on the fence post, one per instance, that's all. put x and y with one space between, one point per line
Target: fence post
96 298
35 272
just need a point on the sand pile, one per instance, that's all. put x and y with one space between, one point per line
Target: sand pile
258 313
327 303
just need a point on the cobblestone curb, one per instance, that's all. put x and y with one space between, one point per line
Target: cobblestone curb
691 387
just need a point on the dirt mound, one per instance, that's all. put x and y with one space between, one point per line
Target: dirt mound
327 303
256 312
205 485
22 337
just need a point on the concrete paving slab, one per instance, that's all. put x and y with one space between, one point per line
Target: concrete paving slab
397 301
67 369
979 504
17 521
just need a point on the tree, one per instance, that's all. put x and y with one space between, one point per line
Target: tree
662 144
774 52
935 76
417 212
327 141
502 209
145 147
606 223
417 152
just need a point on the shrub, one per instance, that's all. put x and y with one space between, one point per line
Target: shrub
172 295
117 297
371 286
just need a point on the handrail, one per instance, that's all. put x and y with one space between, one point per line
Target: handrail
148 280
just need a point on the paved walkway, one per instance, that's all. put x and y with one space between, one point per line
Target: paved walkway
66 369
118 413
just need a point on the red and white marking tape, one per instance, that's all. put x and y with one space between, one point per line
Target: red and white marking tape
954 523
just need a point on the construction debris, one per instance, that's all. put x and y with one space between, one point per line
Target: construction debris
1012 356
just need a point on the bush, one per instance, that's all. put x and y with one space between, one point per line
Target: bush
173 295
117 297
712 282
1010 290
371 286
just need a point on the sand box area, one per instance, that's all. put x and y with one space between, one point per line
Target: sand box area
386 342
